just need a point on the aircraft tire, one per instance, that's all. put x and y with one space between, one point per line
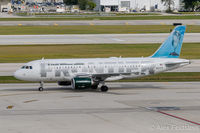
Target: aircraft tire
40 89
104 88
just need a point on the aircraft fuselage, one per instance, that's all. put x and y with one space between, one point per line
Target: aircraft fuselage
117 68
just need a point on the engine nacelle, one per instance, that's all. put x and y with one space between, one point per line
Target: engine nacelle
64 83
81 83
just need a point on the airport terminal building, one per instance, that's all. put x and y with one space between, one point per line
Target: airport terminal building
134 5
110 5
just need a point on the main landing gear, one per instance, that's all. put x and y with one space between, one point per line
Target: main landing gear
41 86
94 87
103 88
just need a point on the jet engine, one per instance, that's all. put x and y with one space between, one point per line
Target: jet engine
82 83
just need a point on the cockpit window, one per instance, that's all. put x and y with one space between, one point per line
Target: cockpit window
26 67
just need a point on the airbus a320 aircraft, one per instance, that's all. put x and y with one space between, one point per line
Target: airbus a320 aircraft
92 72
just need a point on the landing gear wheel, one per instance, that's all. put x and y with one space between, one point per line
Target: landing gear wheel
94 87
41 86
104 88
40 89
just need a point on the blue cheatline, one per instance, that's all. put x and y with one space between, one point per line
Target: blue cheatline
171 48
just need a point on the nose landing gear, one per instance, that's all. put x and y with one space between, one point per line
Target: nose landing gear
41 86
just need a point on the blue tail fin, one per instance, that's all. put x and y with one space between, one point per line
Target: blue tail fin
171 48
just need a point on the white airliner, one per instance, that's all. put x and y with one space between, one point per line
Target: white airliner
92 72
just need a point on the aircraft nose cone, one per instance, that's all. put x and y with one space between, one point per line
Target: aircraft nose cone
18 75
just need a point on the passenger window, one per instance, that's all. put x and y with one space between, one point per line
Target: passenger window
31 67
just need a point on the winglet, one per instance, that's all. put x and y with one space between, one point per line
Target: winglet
171 48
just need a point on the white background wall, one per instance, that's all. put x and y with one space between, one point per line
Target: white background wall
138 4
148 3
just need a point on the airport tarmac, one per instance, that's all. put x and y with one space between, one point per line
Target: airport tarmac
92 39
8 69
137 107
101 22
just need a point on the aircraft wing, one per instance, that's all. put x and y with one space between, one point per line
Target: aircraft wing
98 77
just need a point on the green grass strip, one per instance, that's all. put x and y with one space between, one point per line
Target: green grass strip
169 77
156 17
25 53
92 29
